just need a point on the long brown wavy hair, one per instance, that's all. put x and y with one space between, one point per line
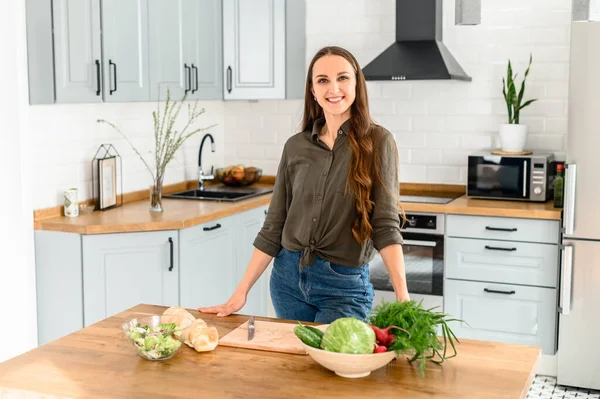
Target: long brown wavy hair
365 166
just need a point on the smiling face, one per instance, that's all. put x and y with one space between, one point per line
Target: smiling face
334 85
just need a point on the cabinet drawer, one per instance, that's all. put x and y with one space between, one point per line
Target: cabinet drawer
497 228
502 261
503 313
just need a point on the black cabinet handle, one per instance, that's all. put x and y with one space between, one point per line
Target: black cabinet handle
188 82
171 254
216 226
229 77
97 77
115 76
500 248
499 292
195 89
500 228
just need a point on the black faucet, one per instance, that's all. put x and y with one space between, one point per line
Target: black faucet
201 176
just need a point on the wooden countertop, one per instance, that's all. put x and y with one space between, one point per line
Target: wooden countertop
99 362
135 216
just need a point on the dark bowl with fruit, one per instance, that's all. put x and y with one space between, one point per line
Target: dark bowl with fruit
238 175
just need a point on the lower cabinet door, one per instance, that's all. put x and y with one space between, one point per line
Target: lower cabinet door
503 313
123 270
248 226
208 253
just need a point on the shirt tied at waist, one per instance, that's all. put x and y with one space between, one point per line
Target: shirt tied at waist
308 255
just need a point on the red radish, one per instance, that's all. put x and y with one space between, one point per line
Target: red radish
383 335
380 349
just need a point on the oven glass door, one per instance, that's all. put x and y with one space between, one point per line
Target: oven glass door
423 262
498 177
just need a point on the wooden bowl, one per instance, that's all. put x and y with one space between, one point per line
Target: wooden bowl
349 365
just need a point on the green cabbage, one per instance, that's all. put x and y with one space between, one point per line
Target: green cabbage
348 335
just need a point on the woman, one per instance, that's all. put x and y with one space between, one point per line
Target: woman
335 201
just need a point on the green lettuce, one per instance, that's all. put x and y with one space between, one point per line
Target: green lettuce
348 335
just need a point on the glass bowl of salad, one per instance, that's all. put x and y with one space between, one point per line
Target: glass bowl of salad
156 337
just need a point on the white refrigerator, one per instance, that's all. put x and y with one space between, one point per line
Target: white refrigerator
578 352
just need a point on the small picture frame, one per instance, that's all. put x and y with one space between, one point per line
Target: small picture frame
107 183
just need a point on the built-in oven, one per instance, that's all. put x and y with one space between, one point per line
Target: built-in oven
423 262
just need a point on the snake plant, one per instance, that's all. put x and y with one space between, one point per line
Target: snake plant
514 102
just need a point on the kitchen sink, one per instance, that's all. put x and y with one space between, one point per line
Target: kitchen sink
228 194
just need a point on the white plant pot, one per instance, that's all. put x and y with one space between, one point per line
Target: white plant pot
513 137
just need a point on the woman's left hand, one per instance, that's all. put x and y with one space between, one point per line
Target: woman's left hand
402 297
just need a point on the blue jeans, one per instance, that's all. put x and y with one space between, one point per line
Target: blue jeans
321 292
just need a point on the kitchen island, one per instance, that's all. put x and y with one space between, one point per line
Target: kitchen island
99 362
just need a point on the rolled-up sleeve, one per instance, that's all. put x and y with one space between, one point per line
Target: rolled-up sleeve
385 219
268 239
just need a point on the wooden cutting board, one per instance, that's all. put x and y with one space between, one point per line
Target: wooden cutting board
268 336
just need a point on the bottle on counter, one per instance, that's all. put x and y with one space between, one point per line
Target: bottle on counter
559 184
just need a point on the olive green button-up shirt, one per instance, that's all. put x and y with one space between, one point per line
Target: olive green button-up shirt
309 209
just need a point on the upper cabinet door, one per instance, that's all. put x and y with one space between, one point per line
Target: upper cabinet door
169 68
202 35
125 47
77 51
254 49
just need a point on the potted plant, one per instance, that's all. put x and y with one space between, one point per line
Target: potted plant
167 141
513 134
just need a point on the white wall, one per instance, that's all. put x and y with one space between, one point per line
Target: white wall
18 326
65 138
436 123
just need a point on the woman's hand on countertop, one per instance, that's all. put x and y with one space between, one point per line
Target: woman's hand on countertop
233 304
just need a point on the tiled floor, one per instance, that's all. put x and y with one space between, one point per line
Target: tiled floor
545 388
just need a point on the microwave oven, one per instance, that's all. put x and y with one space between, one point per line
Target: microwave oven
510 177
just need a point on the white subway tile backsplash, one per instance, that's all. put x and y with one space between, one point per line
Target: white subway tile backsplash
442 140
473 141
428 123
395 123
410 107
382 107
443 174
396 90
545 142
455 157
558 125
426 157
410 139
412 173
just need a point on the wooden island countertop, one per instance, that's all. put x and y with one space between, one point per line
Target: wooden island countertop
179 213
99 362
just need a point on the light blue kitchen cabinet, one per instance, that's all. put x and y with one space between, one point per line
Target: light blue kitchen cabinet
185 49
126 269
203 47
503 313
249 224
501 278
207 263
77 51
59 288
254 49
261 39
125 50
169 68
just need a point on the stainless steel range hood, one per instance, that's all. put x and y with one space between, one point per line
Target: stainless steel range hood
418 52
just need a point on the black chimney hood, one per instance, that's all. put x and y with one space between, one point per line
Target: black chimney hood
418 52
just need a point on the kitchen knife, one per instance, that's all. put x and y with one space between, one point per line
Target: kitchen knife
251 328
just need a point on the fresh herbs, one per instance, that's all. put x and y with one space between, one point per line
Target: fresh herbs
422 326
